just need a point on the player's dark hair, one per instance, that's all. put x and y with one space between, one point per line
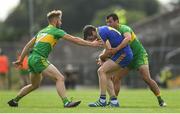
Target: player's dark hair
113 15
87 31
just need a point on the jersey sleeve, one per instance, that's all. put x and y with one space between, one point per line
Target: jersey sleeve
35 36
126 29
60 33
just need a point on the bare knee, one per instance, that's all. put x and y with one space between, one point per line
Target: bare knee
148 80
60 78
146 76
100 71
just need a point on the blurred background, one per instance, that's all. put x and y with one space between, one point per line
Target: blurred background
156 22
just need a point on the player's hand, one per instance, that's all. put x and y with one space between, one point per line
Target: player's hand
108 52
97 43
111 51
99 62
17 63
104 57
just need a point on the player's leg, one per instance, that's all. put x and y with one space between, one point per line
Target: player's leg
107 67
110 86
24 80
114 67
55 74
35 82
27 79
145 74
117 76
123 60
113 102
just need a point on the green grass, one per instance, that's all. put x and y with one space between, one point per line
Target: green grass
131 101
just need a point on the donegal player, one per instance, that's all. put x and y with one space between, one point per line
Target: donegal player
140 60
42 44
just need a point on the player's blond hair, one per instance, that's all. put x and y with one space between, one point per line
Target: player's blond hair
54 13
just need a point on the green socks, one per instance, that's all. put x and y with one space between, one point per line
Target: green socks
65 101
159 98
17 98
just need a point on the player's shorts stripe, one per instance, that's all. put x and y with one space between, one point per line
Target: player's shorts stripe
121 57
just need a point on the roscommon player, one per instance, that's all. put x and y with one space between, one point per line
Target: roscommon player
119 60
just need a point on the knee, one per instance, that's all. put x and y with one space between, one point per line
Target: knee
100 71
146 77
60 78
116 79
148 80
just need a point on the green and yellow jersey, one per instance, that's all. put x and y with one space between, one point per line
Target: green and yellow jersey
139 53
124 28
46 39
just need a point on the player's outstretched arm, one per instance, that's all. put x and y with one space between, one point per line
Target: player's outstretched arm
24 52
82 42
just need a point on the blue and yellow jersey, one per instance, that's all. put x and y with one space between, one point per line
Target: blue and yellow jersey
46 39
113 36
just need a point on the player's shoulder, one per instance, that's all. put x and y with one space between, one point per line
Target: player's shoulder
52 28
102 29
52 31
125 26
105 28
55 30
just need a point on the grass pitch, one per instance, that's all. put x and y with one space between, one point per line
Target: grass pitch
131 101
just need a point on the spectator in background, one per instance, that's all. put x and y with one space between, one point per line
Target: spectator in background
4 69
164 76
23 71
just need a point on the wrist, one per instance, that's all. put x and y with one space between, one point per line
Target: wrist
102 58
91 44
117 49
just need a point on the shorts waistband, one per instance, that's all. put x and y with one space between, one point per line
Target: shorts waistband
37 53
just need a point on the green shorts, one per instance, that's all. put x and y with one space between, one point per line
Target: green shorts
140 56
37 63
